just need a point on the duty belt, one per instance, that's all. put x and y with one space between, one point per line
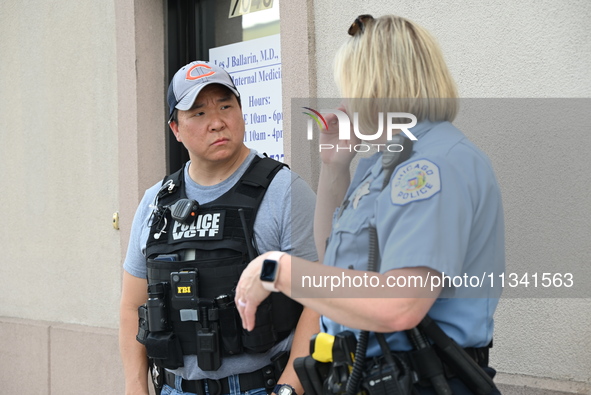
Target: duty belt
262 378
479 355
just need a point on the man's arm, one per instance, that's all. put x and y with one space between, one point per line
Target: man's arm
308 325
133 354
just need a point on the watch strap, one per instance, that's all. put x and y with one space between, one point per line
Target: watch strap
278 388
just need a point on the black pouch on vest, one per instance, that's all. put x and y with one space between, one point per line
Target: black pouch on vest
263 336
143 329
165 349
230 328
208 354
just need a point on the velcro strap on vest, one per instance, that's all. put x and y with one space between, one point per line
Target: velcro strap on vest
266 170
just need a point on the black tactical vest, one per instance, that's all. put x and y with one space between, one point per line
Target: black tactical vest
193 268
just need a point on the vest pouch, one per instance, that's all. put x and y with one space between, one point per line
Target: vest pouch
286 313
264 335
156 308
143 329
208 353
165 349
230 325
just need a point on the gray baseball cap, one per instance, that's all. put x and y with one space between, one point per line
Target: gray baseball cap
191 78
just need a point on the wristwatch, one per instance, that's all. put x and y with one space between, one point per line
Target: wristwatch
284 389
270 271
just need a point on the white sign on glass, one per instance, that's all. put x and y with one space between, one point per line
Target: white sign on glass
255 67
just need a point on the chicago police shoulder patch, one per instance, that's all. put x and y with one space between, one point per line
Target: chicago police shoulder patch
417 180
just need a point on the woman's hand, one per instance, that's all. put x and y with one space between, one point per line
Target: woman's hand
333 151
250 292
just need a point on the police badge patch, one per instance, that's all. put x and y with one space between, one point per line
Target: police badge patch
360 192
418 180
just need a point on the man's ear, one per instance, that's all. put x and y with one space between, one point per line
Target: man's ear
175 129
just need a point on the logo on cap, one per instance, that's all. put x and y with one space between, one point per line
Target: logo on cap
190 77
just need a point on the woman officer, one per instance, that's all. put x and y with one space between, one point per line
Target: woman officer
438 215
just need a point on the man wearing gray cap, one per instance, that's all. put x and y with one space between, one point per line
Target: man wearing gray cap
192 235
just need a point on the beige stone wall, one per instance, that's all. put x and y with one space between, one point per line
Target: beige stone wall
58 123
53 358
82 136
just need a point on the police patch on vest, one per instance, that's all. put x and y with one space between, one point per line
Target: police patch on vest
418 180
206 226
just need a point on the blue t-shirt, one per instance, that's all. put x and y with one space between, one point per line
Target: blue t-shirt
284 222
441 210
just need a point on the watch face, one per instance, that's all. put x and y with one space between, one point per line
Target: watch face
268 270
285 390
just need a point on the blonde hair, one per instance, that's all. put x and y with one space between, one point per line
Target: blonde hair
399 63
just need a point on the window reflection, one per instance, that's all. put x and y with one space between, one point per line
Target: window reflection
245 27
261 23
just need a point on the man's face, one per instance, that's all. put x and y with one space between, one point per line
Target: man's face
213 129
